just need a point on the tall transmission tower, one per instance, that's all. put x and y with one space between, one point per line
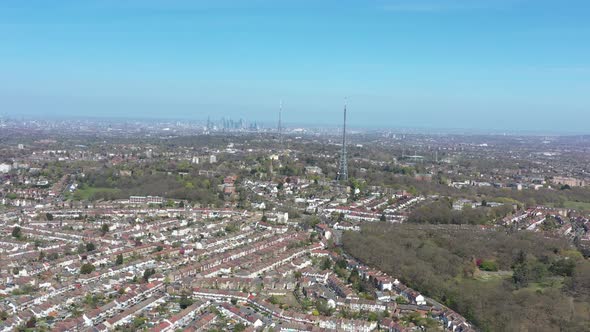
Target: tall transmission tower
280 128
343 168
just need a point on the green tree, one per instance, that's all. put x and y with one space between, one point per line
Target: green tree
521 275
90 246
401 300
87 268
81 248
104 229
563 267
139 321
489 265
17 232
148 273
323 307
185 302
373 317
326 264
119 259
341 263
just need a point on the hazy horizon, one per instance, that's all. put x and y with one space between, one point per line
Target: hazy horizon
353 128
502 65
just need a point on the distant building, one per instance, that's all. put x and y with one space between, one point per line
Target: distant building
517 186
461 203
5 168
282 217
212 159
146 200
572 182
313 170
125 173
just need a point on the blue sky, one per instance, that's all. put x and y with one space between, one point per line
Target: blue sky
479 64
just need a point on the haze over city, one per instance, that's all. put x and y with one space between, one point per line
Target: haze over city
502 65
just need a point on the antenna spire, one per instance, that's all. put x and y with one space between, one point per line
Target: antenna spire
280 127
343 169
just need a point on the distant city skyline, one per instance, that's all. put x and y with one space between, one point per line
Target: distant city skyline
292 127
513 65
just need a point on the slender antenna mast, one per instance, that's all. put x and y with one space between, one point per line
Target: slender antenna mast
343 169
280 129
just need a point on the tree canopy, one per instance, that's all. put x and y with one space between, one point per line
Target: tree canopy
499 281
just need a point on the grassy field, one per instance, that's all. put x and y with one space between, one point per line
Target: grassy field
88 192
288 300
493 276
584 206
554 282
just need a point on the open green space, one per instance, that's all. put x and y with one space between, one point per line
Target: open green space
583 206
109 184
493 276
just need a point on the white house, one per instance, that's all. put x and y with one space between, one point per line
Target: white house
420 300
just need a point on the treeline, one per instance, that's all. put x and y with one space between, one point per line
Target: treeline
543 283
189 187
441 212
403 178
